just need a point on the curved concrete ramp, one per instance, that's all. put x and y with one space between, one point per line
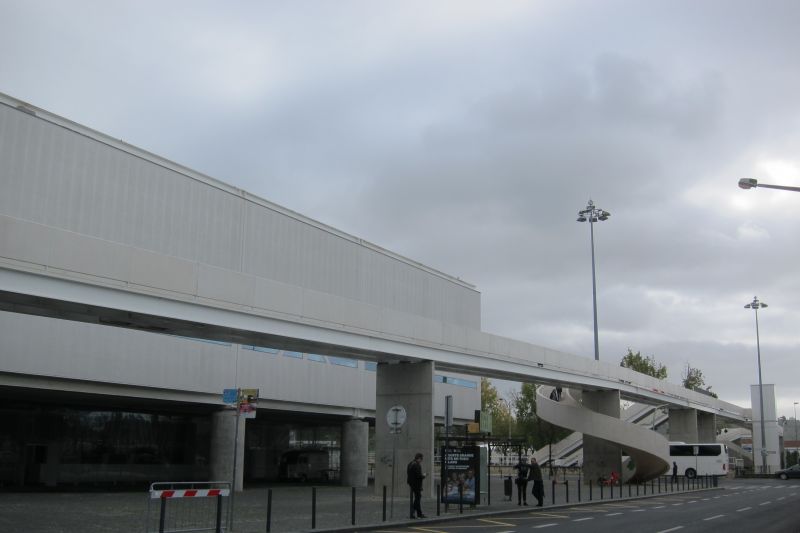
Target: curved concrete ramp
648 450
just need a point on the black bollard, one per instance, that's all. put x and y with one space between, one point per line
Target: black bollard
438 499
353 507
590 490
566 489
601 489
579 489
269 510
554 492
652 487
162 515
460 499
629 490
384 503
219 514
659 484
313 507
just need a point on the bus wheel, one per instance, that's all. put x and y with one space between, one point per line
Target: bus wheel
691 473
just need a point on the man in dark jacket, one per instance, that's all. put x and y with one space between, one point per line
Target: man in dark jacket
522 469
538 483
414 477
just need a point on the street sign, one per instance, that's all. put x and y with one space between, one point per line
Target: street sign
396 417
230 396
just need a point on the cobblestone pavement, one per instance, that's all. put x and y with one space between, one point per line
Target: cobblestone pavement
96 512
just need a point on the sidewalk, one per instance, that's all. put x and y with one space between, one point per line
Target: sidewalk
97 512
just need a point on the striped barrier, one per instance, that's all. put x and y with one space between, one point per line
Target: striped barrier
188 506
188 493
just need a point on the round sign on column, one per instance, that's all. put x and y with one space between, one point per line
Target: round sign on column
396 417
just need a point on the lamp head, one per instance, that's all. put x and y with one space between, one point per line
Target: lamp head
748 183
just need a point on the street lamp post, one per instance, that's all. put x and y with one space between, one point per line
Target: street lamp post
796 451
593 214
750 183
755 305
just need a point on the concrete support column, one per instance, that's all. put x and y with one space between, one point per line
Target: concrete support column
411 386
601 457
355 447
223 424
706 427
683 425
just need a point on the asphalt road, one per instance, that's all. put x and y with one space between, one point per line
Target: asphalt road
762 506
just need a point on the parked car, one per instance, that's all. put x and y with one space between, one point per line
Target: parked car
786 473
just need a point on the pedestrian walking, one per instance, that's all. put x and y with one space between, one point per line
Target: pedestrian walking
523 470
414 477
538 484
674 472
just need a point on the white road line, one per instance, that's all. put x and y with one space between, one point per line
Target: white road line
583 519
782 498
659 507
545 525
743 509
613 514
671 529
713 517
638 511
765 503
693 501
676 504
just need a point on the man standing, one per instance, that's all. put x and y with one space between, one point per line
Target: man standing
522 469
538 483
414 477
674 472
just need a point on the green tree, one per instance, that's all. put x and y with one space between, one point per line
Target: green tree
492 403
645 365
693 378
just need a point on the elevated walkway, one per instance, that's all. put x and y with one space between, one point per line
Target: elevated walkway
648 450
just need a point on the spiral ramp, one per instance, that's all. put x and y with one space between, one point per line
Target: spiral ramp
647 449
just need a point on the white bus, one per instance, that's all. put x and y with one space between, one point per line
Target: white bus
703 459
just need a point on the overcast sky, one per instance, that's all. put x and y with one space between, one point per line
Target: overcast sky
467 135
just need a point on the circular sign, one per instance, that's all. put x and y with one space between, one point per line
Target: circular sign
396 417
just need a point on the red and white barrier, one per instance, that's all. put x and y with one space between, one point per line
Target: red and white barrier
188 493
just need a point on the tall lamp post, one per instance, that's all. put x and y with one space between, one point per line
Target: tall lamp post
755 305
750 183
593 214
797 454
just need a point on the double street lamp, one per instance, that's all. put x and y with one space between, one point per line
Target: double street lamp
593 214
755 305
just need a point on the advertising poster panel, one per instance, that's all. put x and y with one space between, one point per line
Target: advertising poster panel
461 474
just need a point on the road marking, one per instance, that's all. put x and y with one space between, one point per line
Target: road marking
495 522
638 511
713 517
672 529
583 519
743 509
676 504
548 515
693 501
545 525
765 503
782 498
659 507
613 514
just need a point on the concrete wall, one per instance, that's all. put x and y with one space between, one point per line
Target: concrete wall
109 209
80 352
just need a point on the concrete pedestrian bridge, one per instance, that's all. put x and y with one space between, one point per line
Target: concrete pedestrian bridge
97 231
